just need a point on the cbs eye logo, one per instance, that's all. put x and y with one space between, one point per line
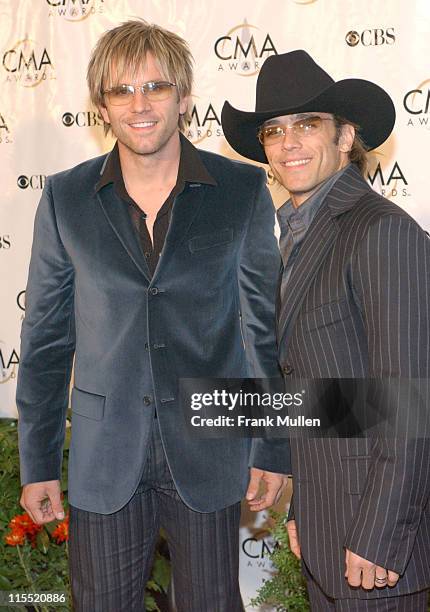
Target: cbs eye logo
68 119
23 182
352 38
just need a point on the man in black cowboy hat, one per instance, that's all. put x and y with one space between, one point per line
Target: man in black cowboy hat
353 303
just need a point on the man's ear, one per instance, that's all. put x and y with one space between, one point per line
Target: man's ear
183 104
346 138
104 113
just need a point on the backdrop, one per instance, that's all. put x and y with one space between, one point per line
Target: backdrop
47 123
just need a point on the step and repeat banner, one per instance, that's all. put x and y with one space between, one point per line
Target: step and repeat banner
47 123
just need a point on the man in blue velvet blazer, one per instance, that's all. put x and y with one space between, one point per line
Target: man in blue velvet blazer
150 264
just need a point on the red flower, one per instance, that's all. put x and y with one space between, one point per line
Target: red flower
61 532
22 527
16 537
24 522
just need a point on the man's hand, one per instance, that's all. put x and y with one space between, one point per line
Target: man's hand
364 573
42 501
275 484
293 537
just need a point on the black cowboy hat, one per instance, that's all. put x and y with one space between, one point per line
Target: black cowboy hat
294 83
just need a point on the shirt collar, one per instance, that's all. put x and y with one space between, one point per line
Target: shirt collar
191 167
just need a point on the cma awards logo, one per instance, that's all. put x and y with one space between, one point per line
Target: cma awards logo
204 123
243 49
74 10
371 38
9 361
390 182
27 63
257 549
5 135
417 104
82 119
33 181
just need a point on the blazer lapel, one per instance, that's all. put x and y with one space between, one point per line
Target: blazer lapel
121 223
315 247
185 208
278 304
317 243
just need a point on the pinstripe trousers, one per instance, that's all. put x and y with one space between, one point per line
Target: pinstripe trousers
320 602
110 555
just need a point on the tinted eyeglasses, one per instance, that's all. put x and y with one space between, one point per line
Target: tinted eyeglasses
155 91
307 126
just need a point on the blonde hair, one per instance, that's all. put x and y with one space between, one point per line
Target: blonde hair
125 48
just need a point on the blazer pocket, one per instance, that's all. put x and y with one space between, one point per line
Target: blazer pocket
90 405
354 473
207 241
325 315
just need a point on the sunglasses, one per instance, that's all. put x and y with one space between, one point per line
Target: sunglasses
307 126
155 91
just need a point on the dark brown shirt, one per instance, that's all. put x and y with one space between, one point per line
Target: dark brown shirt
191 170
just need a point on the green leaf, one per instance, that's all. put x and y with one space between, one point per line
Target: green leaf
161 571
5 583
153 586
150 604
50 527
67 438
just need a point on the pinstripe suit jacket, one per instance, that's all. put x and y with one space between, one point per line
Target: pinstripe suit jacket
358 306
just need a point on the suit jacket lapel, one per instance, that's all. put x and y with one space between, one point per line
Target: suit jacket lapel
278 304
185 208
121 223
316 245
314 248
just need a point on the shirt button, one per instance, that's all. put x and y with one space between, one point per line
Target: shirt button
287 369
147 255
147 400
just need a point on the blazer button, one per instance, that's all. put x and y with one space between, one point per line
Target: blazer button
153 290
147 400
287 369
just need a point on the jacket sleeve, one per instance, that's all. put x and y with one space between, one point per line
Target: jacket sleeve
258 276
47 348
391 278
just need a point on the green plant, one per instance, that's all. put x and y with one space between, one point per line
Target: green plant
286 590
32 558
